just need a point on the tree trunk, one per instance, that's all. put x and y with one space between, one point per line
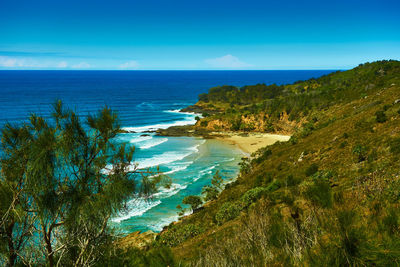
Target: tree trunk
12 255
50 257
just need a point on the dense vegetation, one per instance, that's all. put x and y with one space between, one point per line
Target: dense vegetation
61 182
262 107
328 197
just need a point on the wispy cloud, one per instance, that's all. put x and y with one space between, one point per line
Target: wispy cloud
29 63
82 65
132 65
62 64
12 62
227 61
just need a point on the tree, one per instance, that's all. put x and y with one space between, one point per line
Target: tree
61 182
211 191
217 181
193 201
380 116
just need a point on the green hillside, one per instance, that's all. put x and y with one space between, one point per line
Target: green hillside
328 197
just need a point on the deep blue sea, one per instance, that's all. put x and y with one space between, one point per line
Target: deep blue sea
144 100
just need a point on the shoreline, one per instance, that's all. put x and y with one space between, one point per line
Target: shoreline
250 142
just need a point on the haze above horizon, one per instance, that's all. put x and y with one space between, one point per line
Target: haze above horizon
188 35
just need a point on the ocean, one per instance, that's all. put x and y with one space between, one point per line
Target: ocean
144 100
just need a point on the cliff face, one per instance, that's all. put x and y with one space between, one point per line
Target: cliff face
252 123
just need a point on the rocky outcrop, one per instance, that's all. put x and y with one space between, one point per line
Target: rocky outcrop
138 240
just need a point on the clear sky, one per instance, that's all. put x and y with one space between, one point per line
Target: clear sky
202 34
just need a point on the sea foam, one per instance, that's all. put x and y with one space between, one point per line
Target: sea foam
146 144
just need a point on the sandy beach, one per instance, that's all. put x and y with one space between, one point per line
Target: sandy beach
251 142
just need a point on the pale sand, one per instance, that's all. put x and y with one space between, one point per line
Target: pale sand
251 142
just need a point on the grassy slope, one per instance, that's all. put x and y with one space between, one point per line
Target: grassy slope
347 211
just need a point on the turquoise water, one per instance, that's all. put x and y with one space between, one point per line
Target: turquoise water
144 100
190 162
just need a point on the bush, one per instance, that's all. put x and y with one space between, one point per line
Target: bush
161 256
291 180
262 154
380 116
343 144
307 129
178 234
293 140
320 193
395 146
386 107
312 169
203 123
252 195
228 211
361 152
273 186
193 201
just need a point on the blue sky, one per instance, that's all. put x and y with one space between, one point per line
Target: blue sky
189 34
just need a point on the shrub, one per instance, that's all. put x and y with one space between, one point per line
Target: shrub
210 192
262 154
395 146
320 193
252 195
263 179
386 107
307 129
203 123
293 140
312 169
176 235
380 116
273 186
193 201
291 180
159 256
343 144
228 211
361 152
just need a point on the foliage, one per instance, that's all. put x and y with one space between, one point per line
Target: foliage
61 182
395 146
176 235
154 257
312 169
360 151
252 195
211 191
194 202
380 116
228 211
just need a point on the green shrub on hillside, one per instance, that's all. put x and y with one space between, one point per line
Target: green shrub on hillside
361 152
252 195
177 234
380 116
153 257
228 211
273 186
313 168
194 202
395 146
320 193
